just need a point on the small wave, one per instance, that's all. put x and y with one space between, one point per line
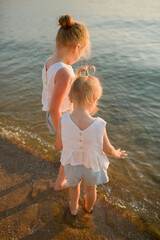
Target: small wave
28 140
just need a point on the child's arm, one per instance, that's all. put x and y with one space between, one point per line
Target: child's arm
58 143
61 83
110 150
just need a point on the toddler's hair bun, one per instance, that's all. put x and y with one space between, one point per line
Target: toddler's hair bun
66 21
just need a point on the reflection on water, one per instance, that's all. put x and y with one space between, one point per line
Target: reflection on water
125 49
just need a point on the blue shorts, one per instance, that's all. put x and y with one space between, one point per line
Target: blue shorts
50 124
75 174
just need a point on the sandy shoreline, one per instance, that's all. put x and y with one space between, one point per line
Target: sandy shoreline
30 209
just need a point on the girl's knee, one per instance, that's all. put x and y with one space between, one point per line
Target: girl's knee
90 188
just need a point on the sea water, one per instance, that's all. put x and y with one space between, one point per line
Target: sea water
125 41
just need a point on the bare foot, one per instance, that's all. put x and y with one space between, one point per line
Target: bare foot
73 211
59 187
87 210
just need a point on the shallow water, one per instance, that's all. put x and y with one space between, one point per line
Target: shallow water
125 50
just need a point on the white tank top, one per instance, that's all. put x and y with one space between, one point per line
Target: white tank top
48 86
83 147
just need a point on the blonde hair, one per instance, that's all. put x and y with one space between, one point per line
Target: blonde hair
86 89
72 33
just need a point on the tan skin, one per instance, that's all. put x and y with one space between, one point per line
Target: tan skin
82 118
67 55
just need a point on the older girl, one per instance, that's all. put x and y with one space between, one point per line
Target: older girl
72 42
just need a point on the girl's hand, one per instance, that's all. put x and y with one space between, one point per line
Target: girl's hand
110 150
120 154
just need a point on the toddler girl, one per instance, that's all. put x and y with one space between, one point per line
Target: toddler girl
84 142
72 41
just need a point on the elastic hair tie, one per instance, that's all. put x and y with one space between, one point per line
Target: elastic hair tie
93 69
86 71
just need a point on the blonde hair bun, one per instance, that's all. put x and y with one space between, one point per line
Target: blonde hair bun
66 21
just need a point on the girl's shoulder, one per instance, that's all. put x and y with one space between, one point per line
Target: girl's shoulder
65 116
51 64
65 120
59 67
101 121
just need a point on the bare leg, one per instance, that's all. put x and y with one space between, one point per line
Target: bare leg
61 182
91 196
74 193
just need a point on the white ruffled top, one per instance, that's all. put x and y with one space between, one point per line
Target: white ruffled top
48 86
83 147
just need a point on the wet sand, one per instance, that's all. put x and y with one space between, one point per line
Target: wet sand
30 209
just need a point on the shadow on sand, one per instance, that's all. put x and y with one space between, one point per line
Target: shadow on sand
31 210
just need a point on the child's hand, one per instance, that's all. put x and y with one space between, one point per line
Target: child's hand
120 154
